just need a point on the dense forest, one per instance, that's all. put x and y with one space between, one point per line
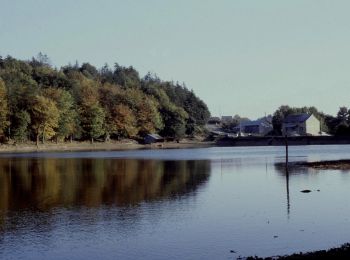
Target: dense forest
81 102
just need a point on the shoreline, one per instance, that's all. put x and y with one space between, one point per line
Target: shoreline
341 252
98 146
129 144
281 141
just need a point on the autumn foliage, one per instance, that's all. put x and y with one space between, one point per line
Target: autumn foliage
39 102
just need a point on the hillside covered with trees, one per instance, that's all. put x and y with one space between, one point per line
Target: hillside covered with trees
81 102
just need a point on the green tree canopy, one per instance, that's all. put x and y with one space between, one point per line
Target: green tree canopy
4 111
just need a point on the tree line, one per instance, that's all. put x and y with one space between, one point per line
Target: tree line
39 102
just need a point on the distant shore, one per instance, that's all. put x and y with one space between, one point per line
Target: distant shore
98 146
281 141
128 144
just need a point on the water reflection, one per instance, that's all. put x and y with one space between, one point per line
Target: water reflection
293 169
285 169
287 190
42 184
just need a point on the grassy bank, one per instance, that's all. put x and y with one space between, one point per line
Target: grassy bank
97 146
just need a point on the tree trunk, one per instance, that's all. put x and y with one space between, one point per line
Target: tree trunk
71 138
92 140
9 133
43 135
37 140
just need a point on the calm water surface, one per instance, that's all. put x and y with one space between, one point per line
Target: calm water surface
171 204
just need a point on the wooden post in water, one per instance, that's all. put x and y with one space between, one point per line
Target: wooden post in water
287 185
287 176
286 142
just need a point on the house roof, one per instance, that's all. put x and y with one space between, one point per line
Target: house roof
296 118
155 136
289 125
251 123
256 123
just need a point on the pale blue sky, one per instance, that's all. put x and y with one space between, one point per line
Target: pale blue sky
241 57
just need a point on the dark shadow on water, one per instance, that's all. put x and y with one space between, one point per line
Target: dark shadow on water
293 169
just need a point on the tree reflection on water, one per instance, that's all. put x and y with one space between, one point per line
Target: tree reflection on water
41 184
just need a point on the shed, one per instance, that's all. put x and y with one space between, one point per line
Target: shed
153 138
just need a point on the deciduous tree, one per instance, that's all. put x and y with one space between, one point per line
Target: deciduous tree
67 123
44 117
92 119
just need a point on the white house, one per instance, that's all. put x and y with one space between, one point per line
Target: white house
301 124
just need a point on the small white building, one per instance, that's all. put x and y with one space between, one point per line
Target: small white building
301 124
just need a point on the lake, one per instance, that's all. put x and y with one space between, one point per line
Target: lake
171 204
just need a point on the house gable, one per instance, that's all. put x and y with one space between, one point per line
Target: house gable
313 126
301 124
